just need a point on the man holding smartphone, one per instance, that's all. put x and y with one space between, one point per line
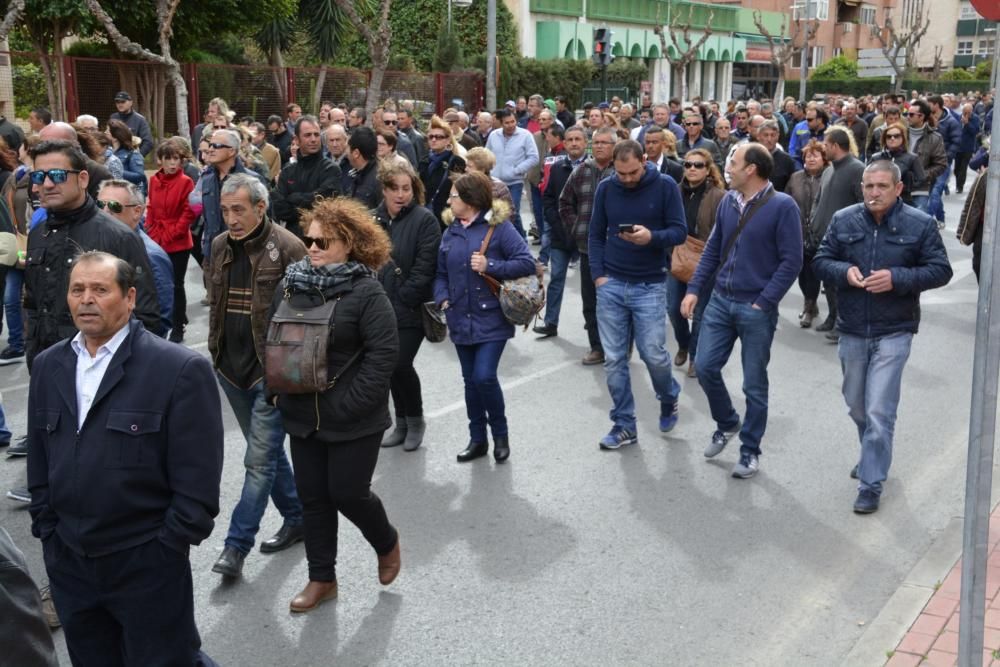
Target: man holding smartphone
637 219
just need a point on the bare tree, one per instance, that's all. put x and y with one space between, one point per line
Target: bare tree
783 51
679 64
893 41
13 15
165 12
938 62
378 33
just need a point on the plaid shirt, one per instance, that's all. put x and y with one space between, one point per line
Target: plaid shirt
576 203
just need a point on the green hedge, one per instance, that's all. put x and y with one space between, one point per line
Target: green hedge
526 76
879 86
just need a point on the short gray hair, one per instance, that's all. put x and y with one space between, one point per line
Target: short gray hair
248 182
887 166
87 118
134 193
232 134
770 124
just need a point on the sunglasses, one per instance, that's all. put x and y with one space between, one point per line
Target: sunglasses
218 146
694 165
893 136
321 243
692 124
437 136
114 206
388 122
57 176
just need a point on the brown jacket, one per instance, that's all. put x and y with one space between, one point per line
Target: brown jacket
930 149
706 210
973 211
272 158
534 175
269 254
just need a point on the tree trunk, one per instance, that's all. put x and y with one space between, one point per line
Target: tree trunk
779 88
181 96
379 67
318 94
59 111
43 62
277 61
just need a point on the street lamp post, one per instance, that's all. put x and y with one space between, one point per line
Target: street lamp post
460 3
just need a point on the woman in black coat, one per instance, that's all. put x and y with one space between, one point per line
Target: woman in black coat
408 280
440 163
336 433
895 143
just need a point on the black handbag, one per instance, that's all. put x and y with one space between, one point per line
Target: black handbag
435 324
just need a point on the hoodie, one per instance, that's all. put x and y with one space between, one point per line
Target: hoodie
655 203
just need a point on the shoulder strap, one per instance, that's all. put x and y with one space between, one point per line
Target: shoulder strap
343 369
748 213
486 240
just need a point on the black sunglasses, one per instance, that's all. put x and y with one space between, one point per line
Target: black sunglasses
692 124
321 243
388 122
893 136
218 146
694 165
57 176
437 136
114 206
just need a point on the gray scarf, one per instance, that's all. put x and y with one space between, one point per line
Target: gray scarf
915 136
302 276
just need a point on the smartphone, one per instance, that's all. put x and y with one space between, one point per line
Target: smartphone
626 228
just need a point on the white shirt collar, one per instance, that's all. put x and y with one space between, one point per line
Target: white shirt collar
110 347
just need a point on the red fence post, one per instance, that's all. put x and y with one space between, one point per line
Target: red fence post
194 101
70 96
290 82
438 93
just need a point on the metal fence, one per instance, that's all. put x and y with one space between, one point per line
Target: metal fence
88 85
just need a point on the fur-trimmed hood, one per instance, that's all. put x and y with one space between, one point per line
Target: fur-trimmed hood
499 212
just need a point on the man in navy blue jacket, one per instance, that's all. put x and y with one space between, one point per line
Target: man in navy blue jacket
751 275
638 218
950 130
880 254
124 475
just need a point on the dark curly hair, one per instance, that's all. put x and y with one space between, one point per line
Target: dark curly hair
347 219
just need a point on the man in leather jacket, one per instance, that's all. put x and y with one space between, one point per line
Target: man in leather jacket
311 175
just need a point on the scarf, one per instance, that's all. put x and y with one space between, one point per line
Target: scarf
915 136
302 276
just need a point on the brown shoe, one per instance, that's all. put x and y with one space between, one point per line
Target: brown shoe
681 357
593 358
388 565
692 372
313 595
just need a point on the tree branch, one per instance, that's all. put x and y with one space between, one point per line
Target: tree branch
121 41
14 11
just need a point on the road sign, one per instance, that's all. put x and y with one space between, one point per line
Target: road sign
873 63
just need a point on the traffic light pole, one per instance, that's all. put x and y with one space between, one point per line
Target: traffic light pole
604 83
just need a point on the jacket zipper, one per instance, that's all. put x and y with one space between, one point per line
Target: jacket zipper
316 404
868 295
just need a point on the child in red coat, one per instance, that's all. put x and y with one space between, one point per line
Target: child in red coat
168 222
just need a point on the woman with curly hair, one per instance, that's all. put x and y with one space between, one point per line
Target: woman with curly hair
438 166
133 167
335 434
476 324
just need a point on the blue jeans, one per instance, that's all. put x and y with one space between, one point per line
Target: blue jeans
12 309
723 323
923 203
268 472
515 216
4 431
483 395
627 311
686 334
935 206
873 375
543 228
557 283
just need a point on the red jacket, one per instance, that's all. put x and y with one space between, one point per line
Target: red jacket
168 215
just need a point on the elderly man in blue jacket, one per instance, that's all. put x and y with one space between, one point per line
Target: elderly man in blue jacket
880 254
638 218
124 463
750 261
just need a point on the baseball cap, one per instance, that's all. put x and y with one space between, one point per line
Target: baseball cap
122 96
510 103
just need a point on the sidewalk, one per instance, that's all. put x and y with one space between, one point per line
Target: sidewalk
932 639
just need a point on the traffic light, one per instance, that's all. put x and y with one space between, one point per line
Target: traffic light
602 47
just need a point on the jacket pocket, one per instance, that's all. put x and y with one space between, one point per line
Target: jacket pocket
849 237
130 434
47 421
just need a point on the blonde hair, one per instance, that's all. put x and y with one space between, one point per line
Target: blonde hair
482 159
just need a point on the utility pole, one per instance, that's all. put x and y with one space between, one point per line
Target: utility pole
491 56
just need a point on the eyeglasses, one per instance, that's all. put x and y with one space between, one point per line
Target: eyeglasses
437 136
388 122
57 176
114 206
321 243
692 124
453 195
218 146
893 136
694 165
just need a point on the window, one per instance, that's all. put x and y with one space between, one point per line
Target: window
964 49
986 46
848 27
815 57
967 12
811 9
867 15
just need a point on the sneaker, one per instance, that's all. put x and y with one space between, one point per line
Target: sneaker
668 417
618 437
867 502
720 439
19 494
19 447
11 356
747 467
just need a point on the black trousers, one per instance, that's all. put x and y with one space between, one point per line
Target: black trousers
132 607
336 477
808 282
961 169
179 260
588 293
405 383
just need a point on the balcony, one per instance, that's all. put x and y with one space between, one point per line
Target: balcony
653 12
975 27
560 7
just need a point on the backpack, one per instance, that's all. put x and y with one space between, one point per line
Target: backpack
295 348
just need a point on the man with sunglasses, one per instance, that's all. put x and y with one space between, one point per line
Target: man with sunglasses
311 175
390 119
246 267
929 148
693 138
60 131
74 223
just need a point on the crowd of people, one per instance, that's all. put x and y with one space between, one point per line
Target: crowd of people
324 243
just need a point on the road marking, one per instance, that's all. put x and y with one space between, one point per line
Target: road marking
460 405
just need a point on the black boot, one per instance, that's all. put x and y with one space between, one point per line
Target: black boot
398 434
501 448
475 450
831 302
828 323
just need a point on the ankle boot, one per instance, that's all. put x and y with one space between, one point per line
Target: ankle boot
415 427
809 312
501 448
474 451
398 434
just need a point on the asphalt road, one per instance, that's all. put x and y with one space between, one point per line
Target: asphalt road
569 555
